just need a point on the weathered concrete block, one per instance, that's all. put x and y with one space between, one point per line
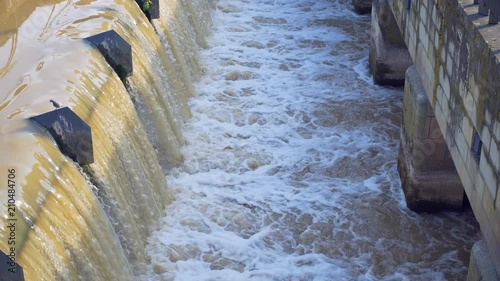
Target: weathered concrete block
428 175
71 133
481 267
9 269
150 7
115 50
389 57
362 6
495 156
428 149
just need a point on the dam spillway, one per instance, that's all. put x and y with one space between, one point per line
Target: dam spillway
286 151
91 222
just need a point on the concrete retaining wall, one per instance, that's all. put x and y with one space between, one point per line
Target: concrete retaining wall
389 57
428 176
456 55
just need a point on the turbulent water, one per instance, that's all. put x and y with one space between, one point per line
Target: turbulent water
290 162
89 223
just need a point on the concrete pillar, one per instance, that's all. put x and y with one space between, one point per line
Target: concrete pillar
362 6
389 57
481 267
428 175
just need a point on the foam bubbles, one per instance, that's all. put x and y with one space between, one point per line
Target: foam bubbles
290 167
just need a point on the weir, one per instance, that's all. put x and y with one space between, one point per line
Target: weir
90 222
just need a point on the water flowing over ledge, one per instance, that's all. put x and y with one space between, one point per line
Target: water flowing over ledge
91 223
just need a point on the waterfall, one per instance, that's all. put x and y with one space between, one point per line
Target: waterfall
179 42
91 222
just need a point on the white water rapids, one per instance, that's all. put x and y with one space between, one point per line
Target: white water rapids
290 166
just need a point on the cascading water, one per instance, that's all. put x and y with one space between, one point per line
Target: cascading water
62 232
88 223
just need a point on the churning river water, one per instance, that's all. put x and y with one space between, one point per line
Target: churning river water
290 161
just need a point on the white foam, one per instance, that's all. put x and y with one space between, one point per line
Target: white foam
290 170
